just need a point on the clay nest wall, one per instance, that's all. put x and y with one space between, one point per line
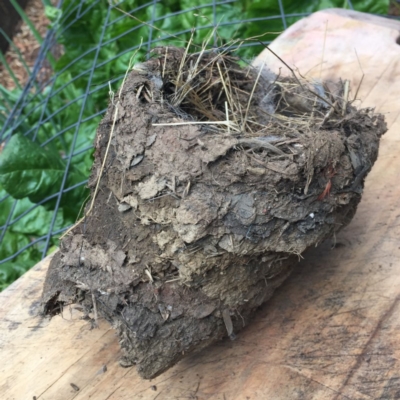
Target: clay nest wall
209 180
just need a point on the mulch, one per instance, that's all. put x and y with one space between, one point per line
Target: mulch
26 43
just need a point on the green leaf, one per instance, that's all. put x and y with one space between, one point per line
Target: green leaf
37 221
372 6
13 269
28 170
52 13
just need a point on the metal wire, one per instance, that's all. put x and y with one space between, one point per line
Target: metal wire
17 117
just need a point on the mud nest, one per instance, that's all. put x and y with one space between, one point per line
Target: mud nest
209 180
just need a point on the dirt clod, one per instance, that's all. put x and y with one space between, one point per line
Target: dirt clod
216 179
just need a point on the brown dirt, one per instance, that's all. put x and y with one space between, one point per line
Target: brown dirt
26 43
194 226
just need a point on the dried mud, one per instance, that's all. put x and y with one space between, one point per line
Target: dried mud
195 225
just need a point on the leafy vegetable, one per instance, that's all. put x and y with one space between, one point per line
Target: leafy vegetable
28 221
28 170
11 270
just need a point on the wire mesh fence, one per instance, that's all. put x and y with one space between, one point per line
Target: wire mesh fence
50 124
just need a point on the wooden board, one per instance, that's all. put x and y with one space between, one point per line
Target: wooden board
332 331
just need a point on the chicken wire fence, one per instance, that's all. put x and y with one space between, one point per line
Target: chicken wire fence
49 125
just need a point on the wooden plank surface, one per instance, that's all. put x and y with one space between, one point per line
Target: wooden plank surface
332 331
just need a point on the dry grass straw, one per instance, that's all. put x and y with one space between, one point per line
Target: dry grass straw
212 88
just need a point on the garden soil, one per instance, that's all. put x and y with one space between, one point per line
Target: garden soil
215 179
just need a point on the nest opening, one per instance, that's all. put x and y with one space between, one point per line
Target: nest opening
243 100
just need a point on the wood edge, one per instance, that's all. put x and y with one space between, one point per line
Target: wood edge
363 17
306 24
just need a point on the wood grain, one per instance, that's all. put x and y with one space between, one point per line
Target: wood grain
330 332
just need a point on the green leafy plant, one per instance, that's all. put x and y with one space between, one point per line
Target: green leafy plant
30 171
33 163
